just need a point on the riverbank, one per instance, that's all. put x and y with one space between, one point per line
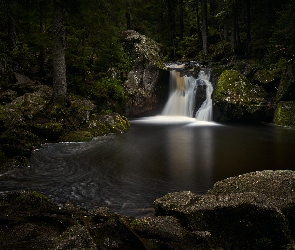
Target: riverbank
28 119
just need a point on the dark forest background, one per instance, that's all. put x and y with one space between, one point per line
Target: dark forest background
91 34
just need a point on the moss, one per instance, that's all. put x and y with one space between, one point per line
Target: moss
283 88
236 97
77 136
285 114
98 128
19 141
50 130
264 76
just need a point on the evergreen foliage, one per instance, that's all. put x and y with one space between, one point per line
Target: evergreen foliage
260 30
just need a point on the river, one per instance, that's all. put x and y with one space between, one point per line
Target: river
127 172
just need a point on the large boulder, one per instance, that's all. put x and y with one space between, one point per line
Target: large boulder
235 97
147 82
285 113
251 211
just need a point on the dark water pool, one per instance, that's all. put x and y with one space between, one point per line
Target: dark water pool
127 172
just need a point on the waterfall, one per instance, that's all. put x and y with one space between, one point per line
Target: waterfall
182 95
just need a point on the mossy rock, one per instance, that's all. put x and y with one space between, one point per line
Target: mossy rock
264 76
236 98
8 164
77 136
50 130
11 117
285 114
19 142
105 124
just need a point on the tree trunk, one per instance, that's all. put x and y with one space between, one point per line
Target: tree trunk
171 20
128 17
198 21
235 34
11 26
225 29
248 20
181 19
204 26
59 62
41 30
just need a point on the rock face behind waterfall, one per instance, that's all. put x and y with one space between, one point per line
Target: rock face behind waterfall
147 82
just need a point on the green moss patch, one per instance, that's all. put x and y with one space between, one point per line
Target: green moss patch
236 97
77 136
285 114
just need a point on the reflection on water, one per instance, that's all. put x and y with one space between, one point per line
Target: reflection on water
128 172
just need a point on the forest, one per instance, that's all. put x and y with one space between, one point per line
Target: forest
66 64
73 44
68 73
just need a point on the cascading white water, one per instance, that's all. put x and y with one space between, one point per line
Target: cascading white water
182 96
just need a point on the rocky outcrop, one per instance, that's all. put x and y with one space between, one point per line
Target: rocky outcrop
235 98
29 220
285 97
147 83
285 113
251 211
31 119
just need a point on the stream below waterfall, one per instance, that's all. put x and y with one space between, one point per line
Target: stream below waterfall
157 155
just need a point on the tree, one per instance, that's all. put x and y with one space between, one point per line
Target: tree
204 26
11 25
59 53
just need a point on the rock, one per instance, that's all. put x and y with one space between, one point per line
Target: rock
16 141
144 84
77 136
50 130
29 220
285 113
76 237
264 76
251 211
166 232
286 88
32 119
236 98
7 96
